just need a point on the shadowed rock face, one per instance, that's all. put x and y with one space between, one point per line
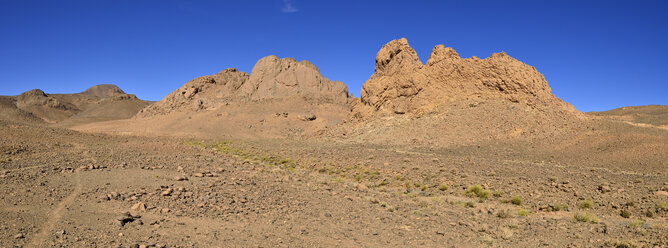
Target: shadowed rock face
402 84
271 79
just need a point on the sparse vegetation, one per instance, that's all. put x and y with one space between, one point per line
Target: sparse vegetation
622 244
585 217
559 207
504 214
477 191
625 214
661 206
470 204
636 223
227 148
516 200
443 187
586 204
523 212
497 194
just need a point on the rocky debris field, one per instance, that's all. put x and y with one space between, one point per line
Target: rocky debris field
62 188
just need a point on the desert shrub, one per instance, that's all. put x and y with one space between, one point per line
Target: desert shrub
470 204
497 194
585 217
559 207
636 223
477 191
523 212
443 187
625 214
516 200
586 204
661 206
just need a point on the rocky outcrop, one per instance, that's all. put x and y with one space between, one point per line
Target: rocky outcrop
37 98
272 79
200 93
402 84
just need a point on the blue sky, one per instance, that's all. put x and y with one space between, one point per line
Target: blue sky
596 55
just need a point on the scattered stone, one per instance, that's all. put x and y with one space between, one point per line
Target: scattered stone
308 116
19 236
125 218
167 192
180 178
198 175
165 210
604 188
139 207
661 193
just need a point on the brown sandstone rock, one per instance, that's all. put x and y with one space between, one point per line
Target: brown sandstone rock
271 79
402 84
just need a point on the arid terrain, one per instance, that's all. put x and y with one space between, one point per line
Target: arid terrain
454 152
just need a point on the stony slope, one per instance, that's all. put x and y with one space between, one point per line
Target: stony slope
272 79
654 115
280 98
98 103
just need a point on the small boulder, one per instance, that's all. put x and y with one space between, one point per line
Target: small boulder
307 116
139 207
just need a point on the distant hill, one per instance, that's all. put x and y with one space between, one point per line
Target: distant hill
655 115
98 103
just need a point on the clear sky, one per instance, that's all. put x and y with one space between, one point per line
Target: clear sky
596 55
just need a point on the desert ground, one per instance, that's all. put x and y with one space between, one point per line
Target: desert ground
283 157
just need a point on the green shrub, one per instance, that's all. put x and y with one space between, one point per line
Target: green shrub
523 212
585 217
625 214
516 200
586 204
477 191
443 187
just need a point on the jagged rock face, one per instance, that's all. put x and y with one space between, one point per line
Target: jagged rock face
402 84
200 92
274 78
271 79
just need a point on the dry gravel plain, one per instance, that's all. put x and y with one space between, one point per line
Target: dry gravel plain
62 188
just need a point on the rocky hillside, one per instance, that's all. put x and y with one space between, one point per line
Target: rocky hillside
272 79
98 103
